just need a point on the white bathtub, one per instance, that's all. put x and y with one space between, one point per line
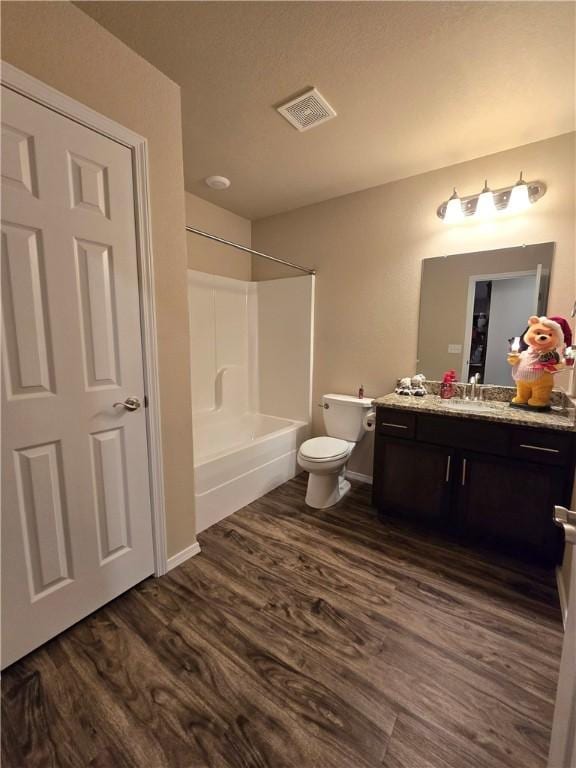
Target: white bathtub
237 459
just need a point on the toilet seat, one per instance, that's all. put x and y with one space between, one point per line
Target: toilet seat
324 449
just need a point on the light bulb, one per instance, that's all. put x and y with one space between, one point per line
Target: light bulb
485 205
454 210
519 197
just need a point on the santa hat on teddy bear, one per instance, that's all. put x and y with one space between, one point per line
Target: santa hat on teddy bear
563 330
555 324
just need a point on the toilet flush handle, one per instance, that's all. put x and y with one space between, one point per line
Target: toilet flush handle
323 405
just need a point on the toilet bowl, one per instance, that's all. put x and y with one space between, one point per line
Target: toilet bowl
325 458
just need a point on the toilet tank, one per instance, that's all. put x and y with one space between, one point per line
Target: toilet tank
344 416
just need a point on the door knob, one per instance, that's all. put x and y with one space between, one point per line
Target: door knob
130 404
567 520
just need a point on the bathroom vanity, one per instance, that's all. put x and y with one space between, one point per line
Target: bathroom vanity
487 473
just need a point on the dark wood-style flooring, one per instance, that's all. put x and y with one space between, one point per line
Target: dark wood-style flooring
301 639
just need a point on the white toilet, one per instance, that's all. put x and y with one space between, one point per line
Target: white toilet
325 458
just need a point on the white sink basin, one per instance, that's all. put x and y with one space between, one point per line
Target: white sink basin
476 406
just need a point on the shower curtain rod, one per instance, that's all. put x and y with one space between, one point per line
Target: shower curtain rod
249 250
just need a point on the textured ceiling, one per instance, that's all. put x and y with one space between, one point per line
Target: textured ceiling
417 86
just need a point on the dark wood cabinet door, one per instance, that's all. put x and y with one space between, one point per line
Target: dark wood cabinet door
412 479
509 504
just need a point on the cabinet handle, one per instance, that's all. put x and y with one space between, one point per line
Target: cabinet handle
463 471
539 448
448 462
389 424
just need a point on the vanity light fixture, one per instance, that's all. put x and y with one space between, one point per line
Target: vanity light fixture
513 199
519 197
485 205
454 210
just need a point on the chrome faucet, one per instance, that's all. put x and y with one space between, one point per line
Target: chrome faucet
474 386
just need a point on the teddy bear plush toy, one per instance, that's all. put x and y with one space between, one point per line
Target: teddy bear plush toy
404 386
533 369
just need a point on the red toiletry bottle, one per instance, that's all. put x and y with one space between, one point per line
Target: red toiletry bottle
448 386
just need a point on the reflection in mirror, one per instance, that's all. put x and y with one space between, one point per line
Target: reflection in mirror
471 304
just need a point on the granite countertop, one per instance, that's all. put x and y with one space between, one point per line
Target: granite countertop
561 418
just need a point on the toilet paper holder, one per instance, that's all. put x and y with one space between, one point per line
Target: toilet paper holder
370 421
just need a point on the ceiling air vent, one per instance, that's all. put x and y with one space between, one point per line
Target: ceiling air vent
307 110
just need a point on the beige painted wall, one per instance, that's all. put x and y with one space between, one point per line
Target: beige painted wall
208 256
368 248
59 44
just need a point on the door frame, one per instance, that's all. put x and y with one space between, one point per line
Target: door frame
37 91
472 280
563 736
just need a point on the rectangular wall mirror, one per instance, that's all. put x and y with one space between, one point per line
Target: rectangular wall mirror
472 303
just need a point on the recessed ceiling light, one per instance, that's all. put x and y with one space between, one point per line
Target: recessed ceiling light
217 182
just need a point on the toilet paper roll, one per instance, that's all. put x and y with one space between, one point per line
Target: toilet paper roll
370 421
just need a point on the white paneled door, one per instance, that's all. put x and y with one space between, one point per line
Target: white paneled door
76 519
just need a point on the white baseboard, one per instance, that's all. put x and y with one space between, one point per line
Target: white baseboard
359 477
562 595
181 557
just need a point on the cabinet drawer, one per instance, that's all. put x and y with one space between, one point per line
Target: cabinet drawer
395 423
467 434
542 447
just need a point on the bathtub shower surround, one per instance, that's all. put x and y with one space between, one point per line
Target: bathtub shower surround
222 319
251 371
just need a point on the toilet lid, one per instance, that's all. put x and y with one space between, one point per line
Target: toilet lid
319 448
